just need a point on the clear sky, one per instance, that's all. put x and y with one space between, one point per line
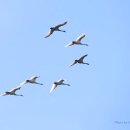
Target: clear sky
98 98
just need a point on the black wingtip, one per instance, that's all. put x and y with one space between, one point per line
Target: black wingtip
65 22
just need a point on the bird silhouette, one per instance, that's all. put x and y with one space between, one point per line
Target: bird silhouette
55 28
80 61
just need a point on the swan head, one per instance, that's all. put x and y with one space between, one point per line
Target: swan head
27 81
7 92
73 42
55 82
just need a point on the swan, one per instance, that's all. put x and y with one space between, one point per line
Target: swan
59 82
80 61
33 80
55 28
77 41
12 91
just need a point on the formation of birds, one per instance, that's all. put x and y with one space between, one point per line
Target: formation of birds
33 79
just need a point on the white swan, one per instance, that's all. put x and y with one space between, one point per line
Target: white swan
33 80
12 91
77 41
59 82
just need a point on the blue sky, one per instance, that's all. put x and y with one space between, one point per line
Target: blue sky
99 93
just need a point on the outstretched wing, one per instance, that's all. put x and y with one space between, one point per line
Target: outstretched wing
49 33
3 94
14 89
81 59
80 38
70 44
73 63
33 78
21 84
62 24
60 81
18 87
53 87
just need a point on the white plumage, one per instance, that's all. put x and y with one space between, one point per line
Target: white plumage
12 91
77 41
33 80
59 82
